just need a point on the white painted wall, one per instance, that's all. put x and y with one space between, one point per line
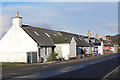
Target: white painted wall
73 48
99 50
16 43
13 57
64 50
58 50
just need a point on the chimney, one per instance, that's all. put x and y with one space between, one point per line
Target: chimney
96 36
108 38
89 34
17 21
104 38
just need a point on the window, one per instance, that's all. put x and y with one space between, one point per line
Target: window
46 51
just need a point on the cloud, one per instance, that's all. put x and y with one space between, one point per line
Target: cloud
103 20
112 26
38 11
4 24
76 9
107 28
39 16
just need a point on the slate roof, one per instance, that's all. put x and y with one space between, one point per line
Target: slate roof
79 40
107 43
92 41
47 37
38 35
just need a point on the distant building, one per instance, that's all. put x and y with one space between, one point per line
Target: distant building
96 46
109 46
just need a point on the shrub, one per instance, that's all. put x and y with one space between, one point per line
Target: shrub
52 57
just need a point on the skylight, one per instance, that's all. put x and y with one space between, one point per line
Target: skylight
55 35
36 33
47 34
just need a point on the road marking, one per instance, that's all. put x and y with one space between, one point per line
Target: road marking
11 73
68 67
110 73
50 73
44 66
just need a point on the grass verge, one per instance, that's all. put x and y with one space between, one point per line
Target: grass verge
7 64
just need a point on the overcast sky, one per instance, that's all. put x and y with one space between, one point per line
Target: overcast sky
75 17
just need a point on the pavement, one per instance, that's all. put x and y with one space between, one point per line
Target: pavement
29 69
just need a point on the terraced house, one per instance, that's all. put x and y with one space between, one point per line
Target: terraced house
30 44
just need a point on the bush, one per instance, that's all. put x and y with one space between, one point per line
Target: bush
52 57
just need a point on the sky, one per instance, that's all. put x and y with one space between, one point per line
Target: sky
74 17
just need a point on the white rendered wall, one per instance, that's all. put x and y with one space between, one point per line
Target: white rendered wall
58 50
16 42
72 48
13 57
64 50
99 50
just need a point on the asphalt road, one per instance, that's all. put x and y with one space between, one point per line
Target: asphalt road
94 71
87 68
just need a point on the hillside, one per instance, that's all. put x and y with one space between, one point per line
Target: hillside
115 39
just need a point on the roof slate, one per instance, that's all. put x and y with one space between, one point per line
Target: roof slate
56 37
38 35
107 43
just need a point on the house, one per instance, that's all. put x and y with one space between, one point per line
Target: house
29 44
96 46
109 46
25 44
68 45
91 46
72 44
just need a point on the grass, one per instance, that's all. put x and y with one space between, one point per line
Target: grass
7 64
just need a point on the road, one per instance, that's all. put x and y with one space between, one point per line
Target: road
94 68
96 71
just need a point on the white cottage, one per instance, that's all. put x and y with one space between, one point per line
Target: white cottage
68 45
23 43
